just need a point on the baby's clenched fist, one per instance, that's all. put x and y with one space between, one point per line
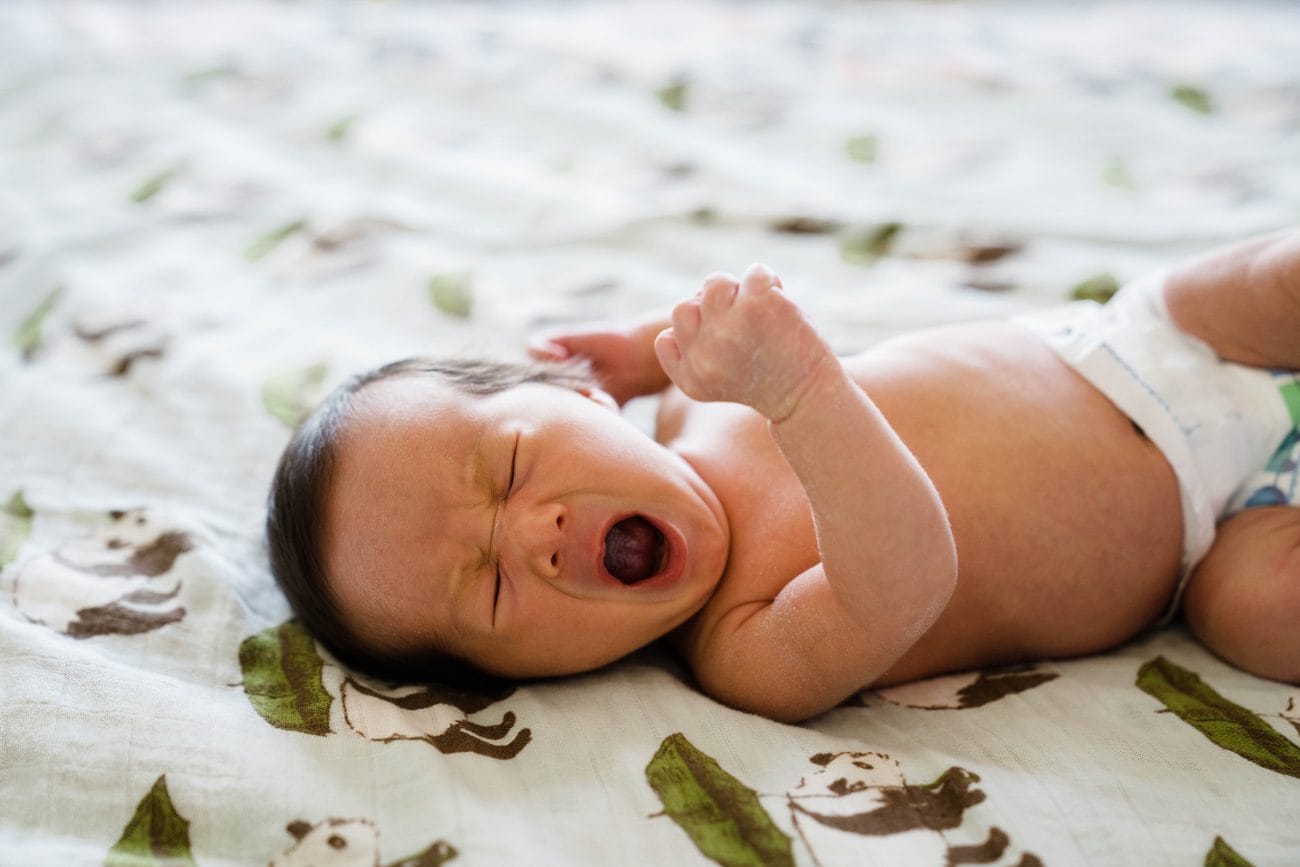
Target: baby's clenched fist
743 341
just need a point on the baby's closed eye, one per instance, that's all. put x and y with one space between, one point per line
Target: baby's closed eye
496 595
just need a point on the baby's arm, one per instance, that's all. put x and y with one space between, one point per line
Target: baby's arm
1243 300
621 355
889 563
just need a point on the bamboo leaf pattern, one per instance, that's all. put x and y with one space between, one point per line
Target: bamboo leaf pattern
452 293
1226 724
1223 855
15 527
1099 287
865 245
155 184
156 836
282 679
290 396
264 245
31 332
721 815
1194 98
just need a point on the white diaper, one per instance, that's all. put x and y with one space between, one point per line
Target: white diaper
1217 423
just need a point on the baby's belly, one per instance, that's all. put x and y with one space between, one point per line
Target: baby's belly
1067 519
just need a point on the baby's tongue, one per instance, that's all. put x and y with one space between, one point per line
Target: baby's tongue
632 549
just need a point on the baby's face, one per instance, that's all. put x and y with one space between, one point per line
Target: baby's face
533 532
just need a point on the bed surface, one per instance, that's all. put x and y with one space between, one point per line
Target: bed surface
209 214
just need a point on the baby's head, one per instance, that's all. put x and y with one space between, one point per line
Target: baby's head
455 519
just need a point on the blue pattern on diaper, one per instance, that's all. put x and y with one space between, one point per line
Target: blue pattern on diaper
1276 483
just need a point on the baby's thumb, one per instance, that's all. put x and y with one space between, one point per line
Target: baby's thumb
668 352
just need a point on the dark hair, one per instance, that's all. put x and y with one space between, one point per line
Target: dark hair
295 509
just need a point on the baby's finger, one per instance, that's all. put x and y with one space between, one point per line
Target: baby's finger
686 322
759 278
718 293
668 352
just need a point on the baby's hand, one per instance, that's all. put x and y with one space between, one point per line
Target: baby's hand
621 355
744 342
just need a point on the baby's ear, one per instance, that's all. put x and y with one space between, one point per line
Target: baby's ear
600 396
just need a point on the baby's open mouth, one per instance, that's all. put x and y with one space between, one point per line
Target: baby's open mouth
635 550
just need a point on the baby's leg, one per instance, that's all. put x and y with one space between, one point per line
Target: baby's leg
1243 300
1243 600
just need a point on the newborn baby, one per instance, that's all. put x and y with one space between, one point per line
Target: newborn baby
802 526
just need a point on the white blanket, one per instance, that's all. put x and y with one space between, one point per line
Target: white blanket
210 213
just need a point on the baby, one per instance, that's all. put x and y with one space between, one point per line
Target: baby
802 526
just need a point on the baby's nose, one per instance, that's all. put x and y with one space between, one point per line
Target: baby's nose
540 538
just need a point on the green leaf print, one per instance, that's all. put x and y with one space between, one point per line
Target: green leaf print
1193 98
721 815
1228 725
865 245
673 95
339 129
15 527
1099 287
862 148
1116 174
805 225
1223 855
290 396
27 339
156 835
282 679
452 293
272 239
155 184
